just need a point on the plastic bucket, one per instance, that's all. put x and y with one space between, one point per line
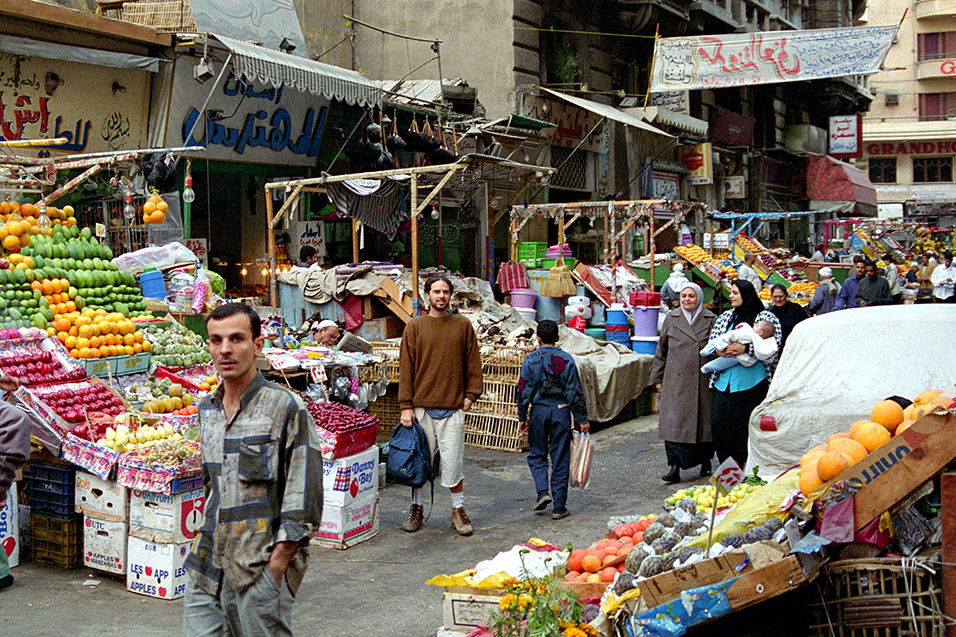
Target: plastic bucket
618 334
548 308
617 317
153 285
645 320
595 332
644 344
523 298
527 314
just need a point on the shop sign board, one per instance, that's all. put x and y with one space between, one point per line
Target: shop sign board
721 241
574 127
676 101
699 159
845 135
666 186
245 120
95 108
735 187
200 248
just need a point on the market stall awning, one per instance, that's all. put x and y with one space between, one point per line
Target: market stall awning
609 112
831 180
83 55
661 115
277 68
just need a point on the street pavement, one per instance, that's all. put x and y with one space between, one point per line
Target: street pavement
378 587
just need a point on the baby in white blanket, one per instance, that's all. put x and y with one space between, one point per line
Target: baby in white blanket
760 336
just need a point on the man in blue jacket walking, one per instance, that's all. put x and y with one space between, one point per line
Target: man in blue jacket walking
549 394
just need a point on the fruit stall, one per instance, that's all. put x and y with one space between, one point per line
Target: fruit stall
875 238
853 535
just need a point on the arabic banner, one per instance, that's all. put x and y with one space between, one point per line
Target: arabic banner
95 108
245 121
845 136
743 59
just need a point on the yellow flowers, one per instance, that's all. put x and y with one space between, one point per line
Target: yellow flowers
577 630
519 603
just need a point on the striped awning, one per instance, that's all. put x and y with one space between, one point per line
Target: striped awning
278 68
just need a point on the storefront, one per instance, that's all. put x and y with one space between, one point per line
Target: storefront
918 175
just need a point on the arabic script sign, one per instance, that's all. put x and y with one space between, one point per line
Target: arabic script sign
251 122
845 135
95 108
741 59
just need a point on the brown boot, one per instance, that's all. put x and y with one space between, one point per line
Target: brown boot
414 521
459 520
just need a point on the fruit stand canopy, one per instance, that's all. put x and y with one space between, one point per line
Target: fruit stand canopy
277 68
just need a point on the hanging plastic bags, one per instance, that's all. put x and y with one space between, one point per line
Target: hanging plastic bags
582 448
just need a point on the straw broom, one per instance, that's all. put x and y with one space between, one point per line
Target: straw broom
559 281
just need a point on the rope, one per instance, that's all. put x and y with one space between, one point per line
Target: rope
616 35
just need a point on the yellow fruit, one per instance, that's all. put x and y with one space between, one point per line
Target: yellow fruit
831 464
887 413
872 436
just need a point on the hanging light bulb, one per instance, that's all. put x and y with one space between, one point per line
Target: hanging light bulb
243 271
189 195
435 213
43 221
128 210
265 271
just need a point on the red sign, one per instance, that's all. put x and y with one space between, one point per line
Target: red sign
911 148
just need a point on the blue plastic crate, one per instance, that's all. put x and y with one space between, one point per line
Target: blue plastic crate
187 483
53 479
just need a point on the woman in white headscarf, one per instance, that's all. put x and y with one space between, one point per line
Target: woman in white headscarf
684 423
825 296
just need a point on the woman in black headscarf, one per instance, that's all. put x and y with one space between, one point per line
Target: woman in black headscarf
786 311
739 389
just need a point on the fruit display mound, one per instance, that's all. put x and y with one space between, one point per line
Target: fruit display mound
38 361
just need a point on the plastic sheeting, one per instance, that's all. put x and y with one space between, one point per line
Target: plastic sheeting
838 365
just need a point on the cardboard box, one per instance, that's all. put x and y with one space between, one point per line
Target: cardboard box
104 544
345 480
464 609
156 517
157 570
345 526
9 529
103 499
899 467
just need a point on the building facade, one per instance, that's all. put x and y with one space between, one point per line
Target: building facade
910 132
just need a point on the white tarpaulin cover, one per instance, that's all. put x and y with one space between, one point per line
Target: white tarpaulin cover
837 366
744 59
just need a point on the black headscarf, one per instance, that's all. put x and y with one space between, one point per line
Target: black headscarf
789 315
751 304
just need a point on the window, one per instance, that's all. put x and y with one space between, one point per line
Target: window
882 170
934 46
936 106
932 169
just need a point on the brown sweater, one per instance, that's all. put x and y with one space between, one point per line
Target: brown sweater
439 364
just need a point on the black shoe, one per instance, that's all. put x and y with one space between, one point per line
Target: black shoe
705 469
544 499
559 514
6 582
672 476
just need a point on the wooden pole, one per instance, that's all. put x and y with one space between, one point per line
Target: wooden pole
271 246
414 208
355 241
948 513
651 237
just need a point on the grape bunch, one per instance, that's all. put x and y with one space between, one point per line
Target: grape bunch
171 453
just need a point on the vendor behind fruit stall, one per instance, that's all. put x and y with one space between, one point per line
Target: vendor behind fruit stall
327 333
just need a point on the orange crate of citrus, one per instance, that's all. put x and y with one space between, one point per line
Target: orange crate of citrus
98 334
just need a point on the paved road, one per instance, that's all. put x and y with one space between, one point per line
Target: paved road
378 587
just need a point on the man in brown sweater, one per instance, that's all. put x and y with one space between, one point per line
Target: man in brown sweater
440 379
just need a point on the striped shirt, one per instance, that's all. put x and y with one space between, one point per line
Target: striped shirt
262 474
724 324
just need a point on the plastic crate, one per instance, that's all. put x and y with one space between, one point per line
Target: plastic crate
54 505
186 483
879 597
56 542
54 479
531 249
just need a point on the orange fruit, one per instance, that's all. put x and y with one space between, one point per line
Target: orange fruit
810 482
927 397
14 228
162 206
903 426
855 426
149 208
887 413
11 243
574 560
852 448
607 575
872 436
28 209
590 563
145 345
831 464
25 227
155 199
836 436
810 458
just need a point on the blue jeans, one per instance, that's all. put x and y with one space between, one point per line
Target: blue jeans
549 432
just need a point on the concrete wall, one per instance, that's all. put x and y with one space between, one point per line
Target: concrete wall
323 27
477 40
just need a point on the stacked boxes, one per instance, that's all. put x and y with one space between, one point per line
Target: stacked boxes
56 529
9 527
349 500
105 506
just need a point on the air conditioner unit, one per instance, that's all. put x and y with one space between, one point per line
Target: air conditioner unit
891 99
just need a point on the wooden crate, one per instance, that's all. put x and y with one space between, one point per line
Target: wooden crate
388 411
497 399
388 350
493 432
878 597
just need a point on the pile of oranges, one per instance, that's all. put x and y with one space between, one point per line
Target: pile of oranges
154 210
19 223
57 292
97 334
600 562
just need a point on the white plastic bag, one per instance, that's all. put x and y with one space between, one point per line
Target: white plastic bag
582 448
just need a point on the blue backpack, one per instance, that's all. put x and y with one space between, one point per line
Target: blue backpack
409 461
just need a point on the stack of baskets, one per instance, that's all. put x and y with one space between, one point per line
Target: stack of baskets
164 15
56 529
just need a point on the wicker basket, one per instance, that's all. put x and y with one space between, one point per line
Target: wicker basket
497 399
388 411
505 355
878 598
165 15
390 352
493 432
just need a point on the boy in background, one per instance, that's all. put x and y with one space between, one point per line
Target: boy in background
549 394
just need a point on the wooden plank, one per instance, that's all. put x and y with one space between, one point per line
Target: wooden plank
949 548
764 583
400 304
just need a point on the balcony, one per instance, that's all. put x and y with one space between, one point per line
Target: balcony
938 68
930 9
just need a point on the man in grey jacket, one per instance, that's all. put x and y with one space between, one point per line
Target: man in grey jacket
14 452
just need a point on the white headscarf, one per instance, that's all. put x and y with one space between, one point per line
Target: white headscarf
691 316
